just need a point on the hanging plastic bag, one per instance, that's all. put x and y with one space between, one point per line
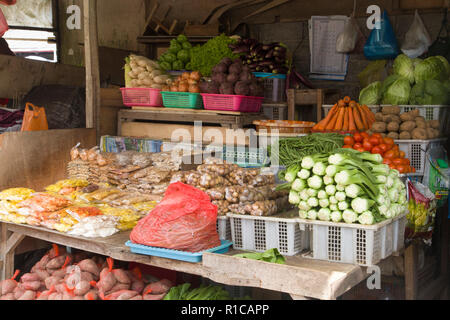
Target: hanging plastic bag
441 46
346 41
421 212
34 118
437 173
184 220
3 24
382 43
417 39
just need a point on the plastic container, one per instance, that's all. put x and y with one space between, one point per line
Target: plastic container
327 107
263 233
354 243
176 254
246 157
224 228
284 126
274 86
184 100
226 102
142 97
415 151
275 112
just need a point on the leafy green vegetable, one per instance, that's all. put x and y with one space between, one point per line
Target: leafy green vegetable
178 65
403 66
396 91
175 46
271 255
170 57
370 94
430 92
186 45
182 38
183 292
165 65
205 57
431 68
184 56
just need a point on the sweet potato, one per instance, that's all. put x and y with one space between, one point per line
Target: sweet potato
9 296
408 126
31 285
30 277
28 295
391 110
89 265
18 292
42 274
127 295
405 135
420 134
393 135
379 127
153 296
121 276
52 281
8 286
82 288
136 297
158 287
55 296
56 263
118 287
393 127
107 282
138 286
91 295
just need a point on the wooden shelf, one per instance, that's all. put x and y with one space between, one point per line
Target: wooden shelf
167 39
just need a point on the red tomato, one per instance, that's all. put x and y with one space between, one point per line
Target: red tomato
388 141
377 149
397 161
377 135
357 145
346 146
402 168
384 147
374 140
358 137
367 145
387 161
360 150
413 170
349 140
402 154
365 135
390 154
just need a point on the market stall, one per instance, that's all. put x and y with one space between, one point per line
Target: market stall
349 185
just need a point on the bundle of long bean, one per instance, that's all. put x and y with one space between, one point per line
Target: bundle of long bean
292 150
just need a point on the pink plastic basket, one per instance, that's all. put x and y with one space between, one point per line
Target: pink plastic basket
142 97
225 102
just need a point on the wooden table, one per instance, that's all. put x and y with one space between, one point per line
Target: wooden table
300 277
230 119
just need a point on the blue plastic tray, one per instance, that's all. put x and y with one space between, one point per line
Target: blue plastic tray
176 254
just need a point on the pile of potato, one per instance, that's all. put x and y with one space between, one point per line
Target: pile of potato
404 126
141 72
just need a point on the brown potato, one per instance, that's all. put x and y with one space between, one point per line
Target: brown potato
420 118
379 127
393 135
421 124
391 110
434 124
396 118
407 116
408 126
393 126
379 116
405 135
419 134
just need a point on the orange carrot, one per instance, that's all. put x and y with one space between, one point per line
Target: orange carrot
345 126
358 121
323 123
364 117
351 121
332 122
369 112
340 120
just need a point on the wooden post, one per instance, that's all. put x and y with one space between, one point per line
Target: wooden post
92 64
411 272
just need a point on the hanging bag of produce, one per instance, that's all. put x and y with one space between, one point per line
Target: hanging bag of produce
382 43
3 24
421 212
34 118
441 46
437 173
417 39
184 220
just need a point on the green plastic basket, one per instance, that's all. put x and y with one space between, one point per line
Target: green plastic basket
246 157
184 100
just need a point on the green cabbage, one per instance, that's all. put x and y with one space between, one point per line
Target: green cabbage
446 66
403 66
431 68
416 61
370 94
396 90
430 92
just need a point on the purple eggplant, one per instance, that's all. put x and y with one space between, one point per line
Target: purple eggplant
269 55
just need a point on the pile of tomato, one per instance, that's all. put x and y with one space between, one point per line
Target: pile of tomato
386 147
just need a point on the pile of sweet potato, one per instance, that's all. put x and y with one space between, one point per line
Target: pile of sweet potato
63 276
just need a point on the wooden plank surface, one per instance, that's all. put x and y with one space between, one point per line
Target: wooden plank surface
299 277
38 159
193 111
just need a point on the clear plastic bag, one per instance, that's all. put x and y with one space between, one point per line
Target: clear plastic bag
346 41
417 39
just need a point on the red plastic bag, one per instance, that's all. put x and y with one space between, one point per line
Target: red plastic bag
184 220
3 24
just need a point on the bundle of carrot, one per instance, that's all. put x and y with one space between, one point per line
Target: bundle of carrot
346 116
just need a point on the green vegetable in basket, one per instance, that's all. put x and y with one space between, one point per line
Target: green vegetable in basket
186 45
182 38
271 255
170 57
183 292
178 65
165 65
188 66
370 94
429 92
175 46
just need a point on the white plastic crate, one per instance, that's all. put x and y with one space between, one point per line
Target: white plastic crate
327 108
415 151
352 243
399 226
263 233
224 228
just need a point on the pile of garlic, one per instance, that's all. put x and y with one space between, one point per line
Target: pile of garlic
141 72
